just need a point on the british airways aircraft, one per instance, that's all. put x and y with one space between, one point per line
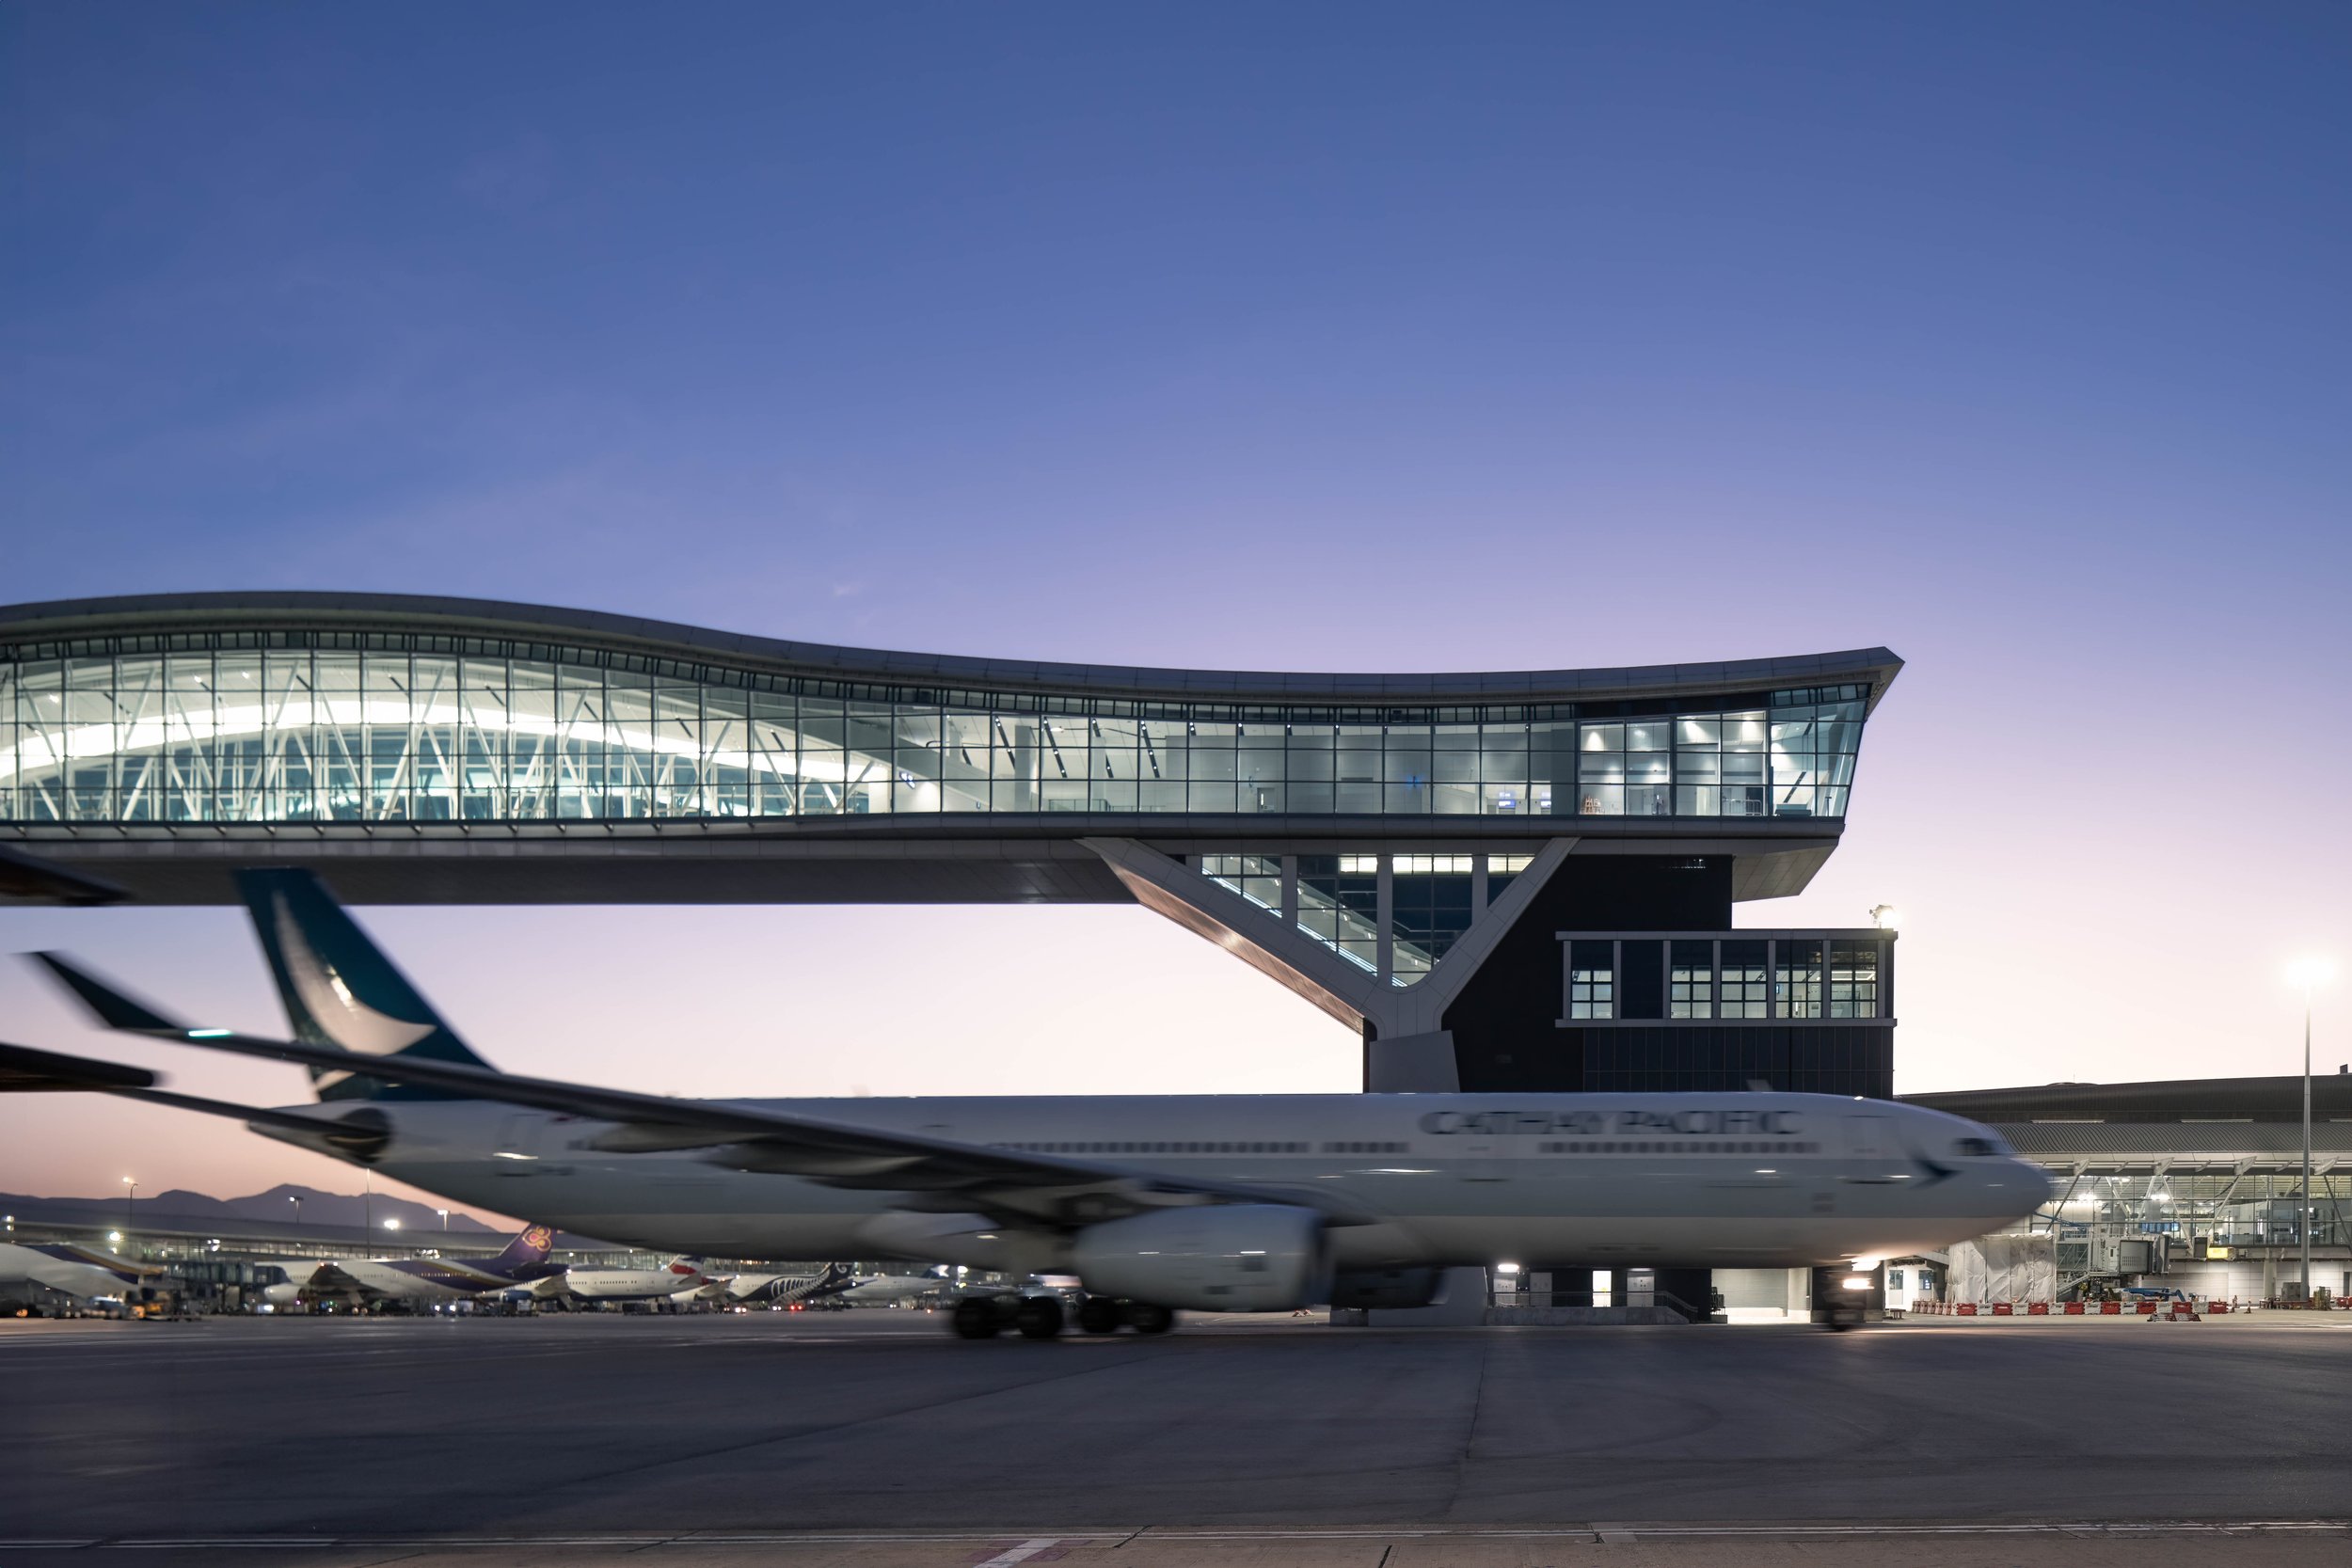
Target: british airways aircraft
1218 1202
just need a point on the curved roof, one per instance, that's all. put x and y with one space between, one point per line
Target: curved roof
155 614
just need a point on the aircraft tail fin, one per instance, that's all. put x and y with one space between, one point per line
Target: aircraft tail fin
526 1250
340 989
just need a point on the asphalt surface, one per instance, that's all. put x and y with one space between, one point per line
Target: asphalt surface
574 1438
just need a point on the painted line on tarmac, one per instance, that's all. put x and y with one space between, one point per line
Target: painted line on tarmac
1033 1545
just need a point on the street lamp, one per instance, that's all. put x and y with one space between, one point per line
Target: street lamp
391 1225
129 1196
444 1213
2308 974
296 1198
1887 917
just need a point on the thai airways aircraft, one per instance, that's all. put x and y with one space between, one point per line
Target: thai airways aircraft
1230 1203
430 1281
36 1279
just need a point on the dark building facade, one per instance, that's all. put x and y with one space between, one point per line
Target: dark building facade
1506 880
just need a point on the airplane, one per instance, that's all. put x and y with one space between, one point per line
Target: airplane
790 1290
682 1278
48 1275
891 1290
426 1281
1225 1203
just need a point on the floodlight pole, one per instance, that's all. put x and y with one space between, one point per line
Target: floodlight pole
2303 1221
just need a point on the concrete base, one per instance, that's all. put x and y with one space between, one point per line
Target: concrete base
1579 1317
1412 1063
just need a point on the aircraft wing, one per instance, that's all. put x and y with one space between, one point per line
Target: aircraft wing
933 1175
25 1070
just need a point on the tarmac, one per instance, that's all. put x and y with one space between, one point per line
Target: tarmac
876 1440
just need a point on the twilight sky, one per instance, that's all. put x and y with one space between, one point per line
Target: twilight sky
1352 337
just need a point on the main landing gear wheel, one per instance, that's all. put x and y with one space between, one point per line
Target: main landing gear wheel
977 1317
1144 1318
1038 1318
1098 1314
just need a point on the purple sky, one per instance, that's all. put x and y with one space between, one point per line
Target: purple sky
2012 337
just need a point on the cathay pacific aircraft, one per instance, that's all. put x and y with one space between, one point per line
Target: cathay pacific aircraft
1220 1202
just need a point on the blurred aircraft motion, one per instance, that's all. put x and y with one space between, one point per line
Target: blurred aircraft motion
61 1276
1156 1202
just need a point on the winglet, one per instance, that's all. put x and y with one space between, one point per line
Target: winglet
113 1009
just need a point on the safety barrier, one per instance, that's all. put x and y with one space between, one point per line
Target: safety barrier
2194 1307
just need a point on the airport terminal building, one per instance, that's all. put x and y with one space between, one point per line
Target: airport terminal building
1505 881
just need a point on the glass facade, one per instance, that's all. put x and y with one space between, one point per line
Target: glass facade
1432 901
1786 760
348 728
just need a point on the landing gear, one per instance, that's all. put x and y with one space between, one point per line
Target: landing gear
1038 1318
977 1317
1144 1318
984 1317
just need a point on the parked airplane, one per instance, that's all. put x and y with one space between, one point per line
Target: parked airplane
893 1290
682 1278
59 1275
790 1290
428 1281
1238 1202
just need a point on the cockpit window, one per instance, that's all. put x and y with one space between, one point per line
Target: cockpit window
1976 1148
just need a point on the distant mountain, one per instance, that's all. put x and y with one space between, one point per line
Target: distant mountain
272 1206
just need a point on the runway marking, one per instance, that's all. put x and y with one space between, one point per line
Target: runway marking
1034 1547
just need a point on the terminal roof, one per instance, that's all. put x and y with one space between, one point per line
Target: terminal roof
67 619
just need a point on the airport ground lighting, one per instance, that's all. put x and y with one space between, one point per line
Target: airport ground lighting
2308 974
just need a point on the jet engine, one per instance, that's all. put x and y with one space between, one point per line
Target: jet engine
1232 1257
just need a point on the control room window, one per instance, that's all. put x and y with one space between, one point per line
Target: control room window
1854 979
1691 983
1797 980
1746 989
1592 980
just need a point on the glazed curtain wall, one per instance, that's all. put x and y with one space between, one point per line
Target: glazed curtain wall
315 736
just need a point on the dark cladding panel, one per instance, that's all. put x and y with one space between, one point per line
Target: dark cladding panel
1683 1059
1642 981
1510 1005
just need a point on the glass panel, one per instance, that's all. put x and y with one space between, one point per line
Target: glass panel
1691 980
1592 979
1797 980
1854 979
